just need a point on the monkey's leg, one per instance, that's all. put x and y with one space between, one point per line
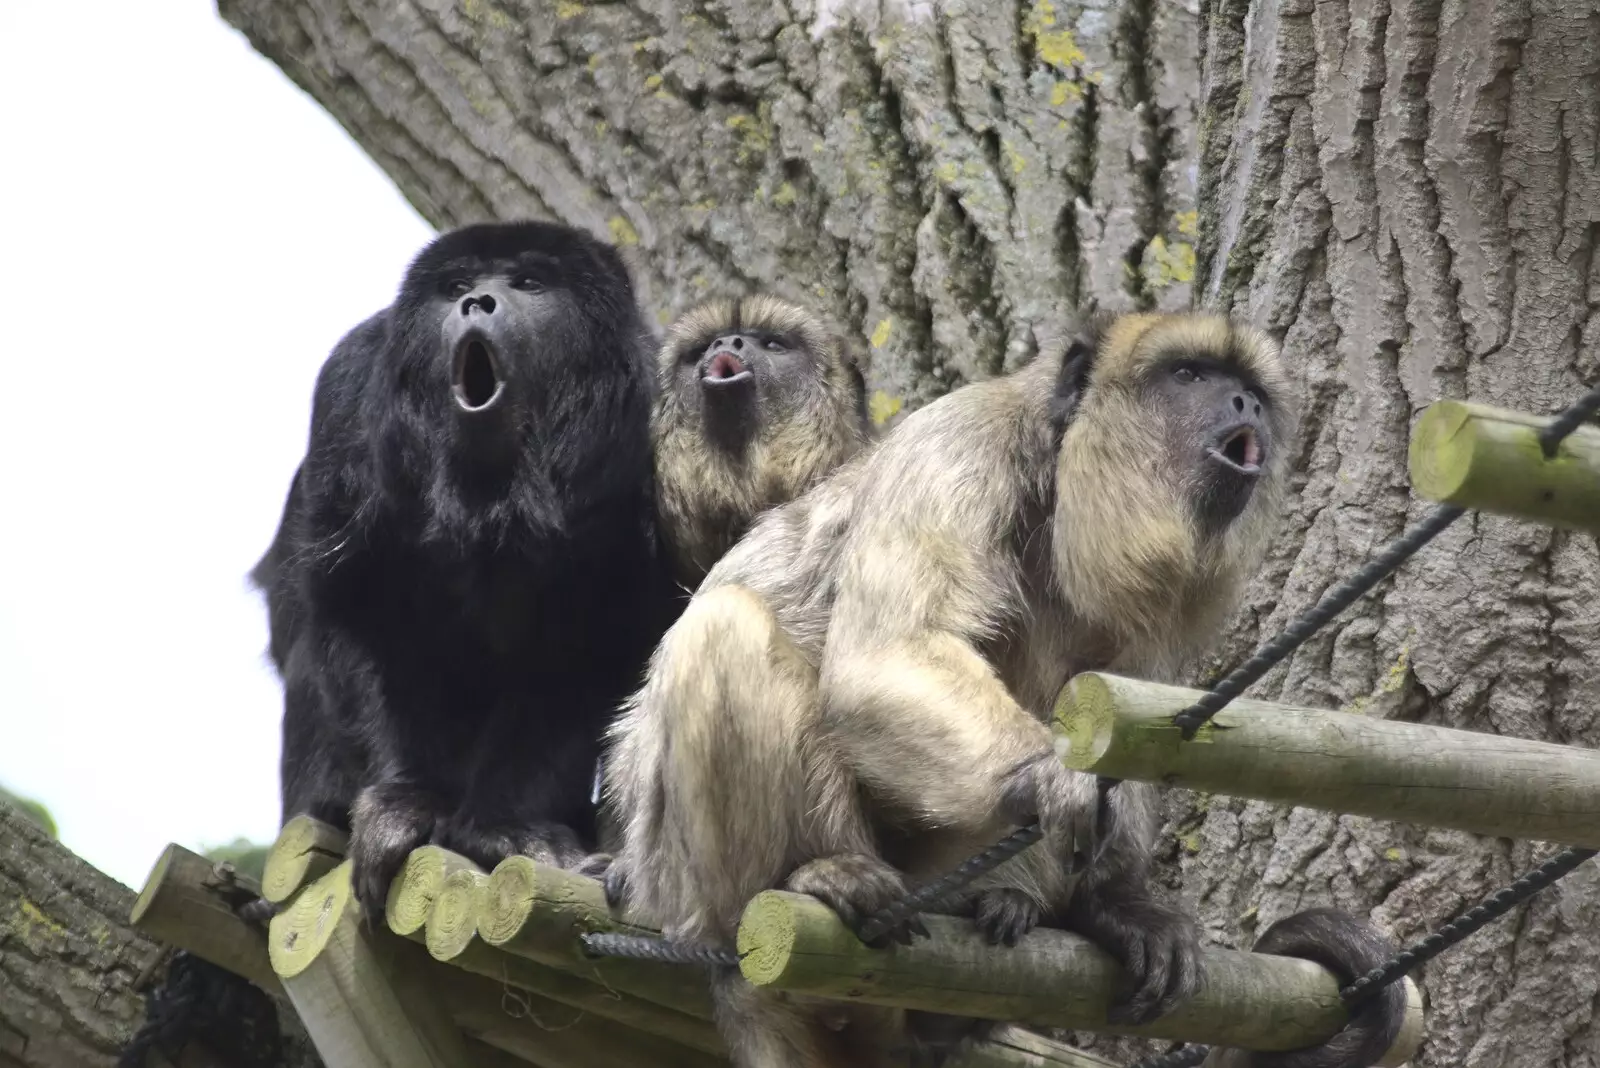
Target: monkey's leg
719 775
724 786
1114 907
926 724
530 786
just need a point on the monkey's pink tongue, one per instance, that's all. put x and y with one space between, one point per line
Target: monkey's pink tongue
724 365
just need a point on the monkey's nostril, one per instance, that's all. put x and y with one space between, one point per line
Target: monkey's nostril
1238 403
738 342
486 302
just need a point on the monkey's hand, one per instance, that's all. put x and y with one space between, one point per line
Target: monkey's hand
1004 914
387 821
546 842
1064 802
1157 946
856 886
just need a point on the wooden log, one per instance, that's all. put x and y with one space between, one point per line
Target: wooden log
542 913
453 921
361 994
574 991
1051 978
549 1033
187 902
1009 1046
1387 769
1490 459
306 850
414 890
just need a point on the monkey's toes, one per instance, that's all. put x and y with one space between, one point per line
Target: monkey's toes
856 886
615 882
257 912
1006 914
1163 962
595 865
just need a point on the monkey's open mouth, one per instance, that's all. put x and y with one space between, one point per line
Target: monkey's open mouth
725 369
1239 448
475 376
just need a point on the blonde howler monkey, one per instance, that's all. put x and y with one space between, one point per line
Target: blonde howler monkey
855 697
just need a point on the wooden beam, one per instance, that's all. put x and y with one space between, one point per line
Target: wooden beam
1051 978
414 890
1388 769
188 902
306 849
542 913
361 994
1490 459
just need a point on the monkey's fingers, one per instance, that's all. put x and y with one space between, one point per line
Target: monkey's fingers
595 865
857 886
615 882
1005 914
1163 960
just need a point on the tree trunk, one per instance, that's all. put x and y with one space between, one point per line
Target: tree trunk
72 972
1404 191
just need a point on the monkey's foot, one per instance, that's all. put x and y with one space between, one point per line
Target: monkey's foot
387 822
595 865
546 842
1005 914
257 912
856 886
1157 946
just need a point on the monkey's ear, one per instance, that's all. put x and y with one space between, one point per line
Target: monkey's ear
1072 381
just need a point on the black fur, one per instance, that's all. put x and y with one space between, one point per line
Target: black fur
457 603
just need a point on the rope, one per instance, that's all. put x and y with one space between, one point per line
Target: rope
930 894
643 947
1341 597
1397 966
1553 435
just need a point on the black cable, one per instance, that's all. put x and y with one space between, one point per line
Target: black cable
1397 966
1466 924
930 894
643 947
1335 601
1553 435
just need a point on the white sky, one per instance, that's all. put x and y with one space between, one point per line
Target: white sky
183 236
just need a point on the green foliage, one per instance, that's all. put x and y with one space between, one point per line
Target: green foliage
247 857
33 810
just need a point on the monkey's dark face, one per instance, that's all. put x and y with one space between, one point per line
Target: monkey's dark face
1218 429
496 324
745 378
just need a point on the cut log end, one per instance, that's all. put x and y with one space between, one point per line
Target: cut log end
306 849
453 922
506 900
298 935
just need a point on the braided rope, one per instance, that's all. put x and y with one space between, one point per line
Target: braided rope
643 947
1397 966
1335 601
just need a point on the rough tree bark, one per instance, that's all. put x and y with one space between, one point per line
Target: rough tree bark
72 970
1404 191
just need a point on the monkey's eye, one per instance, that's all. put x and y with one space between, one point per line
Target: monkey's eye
1187 374
774 345
456 287
527 283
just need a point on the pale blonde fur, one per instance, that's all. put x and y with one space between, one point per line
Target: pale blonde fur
707 496
869 668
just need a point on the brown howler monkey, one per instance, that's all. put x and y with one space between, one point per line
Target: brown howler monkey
856 692
759 399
